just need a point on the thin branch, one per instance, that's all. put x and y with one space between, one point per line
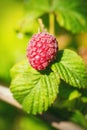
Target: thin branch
6 95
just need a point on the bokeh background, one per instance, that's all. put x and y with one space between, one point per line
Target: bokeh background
17 24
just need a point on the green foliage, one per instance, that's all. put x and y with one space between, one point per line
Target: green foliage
29 24
12 119
40 5
71 99
68 97
84 99
7 115
31 123
74 94
70 68
72 14
35 90
80 119
69 14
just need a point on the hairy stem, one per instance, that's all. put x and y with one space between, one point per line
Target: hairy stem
42 28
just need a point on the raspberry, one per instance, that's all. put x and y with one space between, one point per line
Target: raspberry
42 49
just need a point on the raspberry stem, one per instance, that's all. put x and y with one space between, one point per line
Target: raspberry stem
41 25
51 24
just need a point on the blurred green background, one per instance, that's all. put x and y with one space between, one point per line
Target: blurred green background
12 48
17 24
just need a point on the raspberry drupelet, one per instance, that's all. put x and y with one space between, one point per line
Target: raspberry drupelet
42 49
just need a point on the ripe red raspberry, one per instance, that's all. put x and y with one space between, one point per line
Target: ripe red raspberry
41 50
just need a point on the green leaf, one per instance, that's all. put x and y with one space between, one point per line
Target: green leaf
39 5
80 119
68 92
29 23
84 99
68 96
34 9
71 68
71 15
35 90
74 94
